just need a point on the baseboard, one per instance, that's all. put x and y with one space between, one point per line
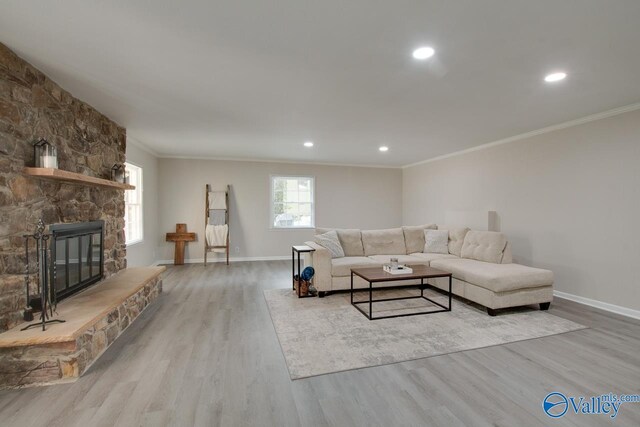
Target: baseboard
624 311
231 259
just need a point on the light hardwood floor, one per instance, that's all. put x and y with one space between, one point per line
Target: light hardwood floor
206 354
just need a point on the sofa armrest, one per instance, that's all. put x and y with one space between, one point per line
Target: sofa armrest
321 262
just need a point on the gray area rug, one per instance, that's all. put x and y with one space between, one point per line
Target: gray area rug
324 335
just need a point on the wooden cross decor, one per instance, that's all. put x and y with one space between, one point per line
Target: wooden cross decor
180 237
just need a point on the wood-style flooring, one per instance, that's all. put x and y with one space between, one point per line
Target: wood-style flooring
205 353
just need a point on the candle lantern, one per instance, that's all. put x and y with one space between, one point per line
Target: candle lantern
118 173
45 155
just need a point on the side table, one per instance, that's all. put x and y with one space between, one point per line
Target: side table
299 249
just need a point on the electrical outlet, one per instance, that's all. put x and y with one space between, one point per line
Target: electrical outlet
237 249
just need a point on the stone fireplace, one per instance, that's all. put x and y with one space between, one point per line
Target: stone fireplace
85 215
32 106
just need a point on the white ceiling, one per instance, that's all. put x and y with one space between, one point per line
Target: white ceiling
255 79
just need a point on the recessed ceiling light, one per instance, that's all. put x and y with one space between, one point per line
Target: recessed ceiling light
423 53
308 144
383 148
555 77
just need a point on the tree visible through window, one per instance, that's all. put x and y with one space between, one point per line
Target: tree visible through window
292 202
133 206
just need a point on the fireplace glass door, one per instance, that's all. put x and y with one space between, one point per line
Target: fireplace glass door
77 252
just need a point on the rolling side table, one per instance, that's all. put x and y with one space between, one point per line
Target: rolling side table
299 249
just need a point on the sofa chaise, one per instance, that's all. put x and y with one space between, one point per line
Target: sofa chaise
480 263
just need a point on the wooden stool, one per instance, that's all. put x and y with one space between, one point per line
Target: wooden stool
180 237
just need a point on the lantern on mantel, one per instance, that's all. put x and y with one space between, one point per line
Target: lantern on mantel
45 155
117 173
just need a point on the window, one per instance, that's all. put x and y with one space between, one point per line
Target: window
292 204
133 206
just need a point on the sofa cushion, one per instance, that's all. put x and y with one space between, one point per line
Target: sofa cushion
350 240
427 258
495 277
484 246
456 239
342 266
329 240
414 236
383 242
402 259
436 241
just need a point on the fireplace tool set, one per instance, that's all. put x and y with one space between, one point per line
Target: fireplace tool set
44 301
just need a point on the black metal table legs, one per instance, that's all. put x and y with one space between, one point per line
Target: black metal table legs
369 314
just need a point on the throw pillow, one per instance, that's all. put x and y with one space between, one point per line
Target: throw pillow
436 241
329 240
414 237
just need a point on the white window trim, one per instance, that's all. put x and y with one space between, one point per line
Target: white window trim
141 189
313 202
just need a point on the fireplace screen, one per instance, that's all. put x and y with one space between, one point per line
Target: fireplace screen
77 255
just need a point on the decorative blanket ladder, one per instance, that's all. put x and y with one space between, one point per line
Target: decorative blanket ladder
219 206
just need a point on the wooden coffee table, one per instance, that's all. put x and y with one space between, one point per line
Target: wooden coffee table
378 275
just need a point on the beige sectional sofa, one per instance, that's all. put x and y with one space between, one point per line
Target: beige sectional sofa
480 262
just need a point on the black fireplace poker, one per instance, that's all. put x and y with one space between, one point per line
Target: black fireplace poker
42 279
28 311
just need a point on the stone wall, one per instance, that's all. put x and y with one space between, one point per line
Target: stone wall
32 106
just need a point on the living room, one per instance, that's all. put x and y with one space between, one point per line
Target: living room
243 213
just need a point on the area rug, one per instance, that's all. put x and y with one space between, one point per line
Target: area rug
324 335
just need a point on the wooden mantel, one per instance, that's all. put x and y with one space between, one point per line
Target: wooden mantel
77 178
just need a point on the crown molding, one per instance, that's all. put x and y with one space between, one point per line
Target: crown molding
571 123
292 162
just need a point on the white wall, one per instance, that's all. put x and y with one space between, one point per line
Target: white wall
568 200
356 197
145 252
